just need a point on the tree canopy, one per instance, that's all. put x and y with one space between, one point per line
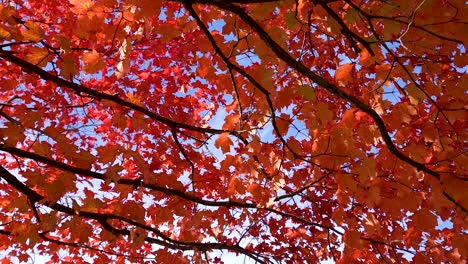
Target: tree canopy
200 131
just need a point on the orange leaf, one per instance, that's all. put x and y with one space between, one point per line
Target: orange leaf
365 58
382 71
81 6
223 142
367 171
349 119
282 124
37 56
236 186
123 67
344 73
256 191
33 32
67 67
93 62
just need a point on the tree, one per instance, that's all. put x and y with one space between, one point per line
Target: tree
281 131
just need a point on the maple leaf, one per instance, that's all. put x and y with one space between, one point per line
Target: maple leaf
93 62
236 186
344 73
223 142
367 170
123 67
32 32
217 131
68 67
81 6
37 56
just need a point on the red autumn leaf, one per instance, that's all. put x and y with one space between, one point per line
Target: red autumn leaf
236 186
366 58
231 131
223 142
424 220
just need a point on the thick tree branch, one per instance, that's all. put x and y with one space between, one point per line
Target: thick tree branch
6 55
238 69
286 57
347 32
137 183
102 218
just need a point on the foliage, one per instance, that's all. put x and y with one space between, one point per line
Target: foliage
283 131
